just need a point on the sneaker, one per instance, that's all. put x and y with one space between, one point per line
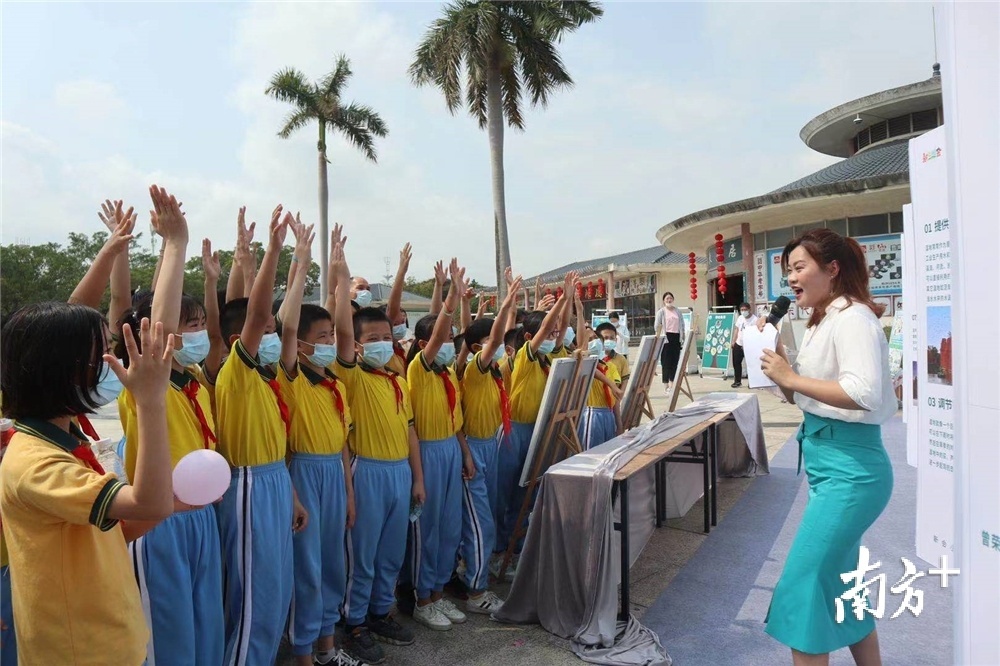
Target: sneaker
736 385
485 604
344 659
359 644
450 610
387 630
431 617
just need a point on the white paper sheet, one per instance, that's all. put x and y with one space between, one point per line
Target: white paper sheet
754 344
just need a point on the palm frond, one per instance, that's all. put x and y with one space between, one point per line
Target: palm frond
361 125
334 82
294 121
510 94
290 85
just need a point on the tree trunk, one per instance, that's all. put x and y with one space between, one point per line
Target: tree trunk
494 127
324 217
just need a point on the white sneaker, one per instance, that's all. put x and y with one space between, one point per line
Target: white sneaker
431 617
344 659
450 611
485 604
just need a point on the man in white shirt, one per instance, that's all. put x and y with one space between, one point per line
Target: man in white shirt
621 346
746 318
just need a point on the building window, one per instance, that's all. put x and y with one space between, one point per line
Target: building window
641 311
838 226
925 120
759 241
896 223
802 228
779 237
868 225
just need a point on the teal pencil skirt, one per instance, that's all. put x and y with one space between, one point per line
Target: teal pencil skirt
850 481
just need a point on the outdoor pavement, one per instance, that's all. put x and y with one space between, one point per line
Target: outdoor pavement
482 641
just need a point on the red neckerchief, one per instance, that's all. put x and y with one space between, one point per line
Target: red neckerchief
87 427
393 379
449 390
86 454
191 391
330 383
504 399
282 407
602 367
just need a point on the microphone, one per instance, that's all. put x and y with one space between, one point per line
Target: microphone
778 310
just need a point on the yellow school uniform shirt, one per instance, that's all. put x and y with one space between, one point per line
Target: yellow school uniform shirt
598 397
620 363
382 417
75 596
481 399
319 425
249 424
527 384
183 426
433 416
507 369
397 363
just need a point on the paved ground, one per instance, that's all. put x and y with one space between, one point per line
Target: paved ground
482 641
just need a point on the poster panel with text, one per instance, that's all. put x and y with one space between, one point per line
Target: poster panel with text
718 336
932 247
911 343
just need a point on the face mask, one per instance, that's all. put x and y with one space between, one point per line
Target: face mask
377 354
108 386
610 345
364 298
399 331
745 313
446 354
614 323
499 354
195 348
547 347
323 355
596 348
568 337
270 349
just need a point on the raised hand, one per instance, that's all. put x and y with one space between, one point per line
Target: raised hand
279 228
111 214
481 310
548 300
404 258
508 276
121 231
149 370
439 273
170 222
569 283
304 237
338 262
515 286
210 262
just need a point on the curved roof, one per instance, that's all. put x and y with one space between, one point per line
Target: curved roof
881 174
621 262
831 132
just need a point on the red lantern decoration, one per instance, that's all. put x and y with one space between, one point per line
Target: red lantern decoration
693 271
694 281
559 292
720 257
692 256
579 289
590 290
718 238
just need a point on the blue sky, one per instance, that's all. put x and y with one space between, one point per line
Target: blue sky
677 107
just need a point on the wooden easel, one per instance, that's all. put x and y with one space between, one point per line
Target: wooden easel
679 387
639 403
560 441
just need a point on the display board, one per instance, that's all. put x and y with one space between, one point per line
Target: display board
635 402
716 354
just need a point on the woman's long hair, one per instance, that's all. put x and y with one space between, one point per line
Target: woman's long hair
851 281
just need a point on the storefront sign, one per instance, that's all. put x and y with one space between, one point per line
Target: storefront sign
760 276
732 249
635 286
777 282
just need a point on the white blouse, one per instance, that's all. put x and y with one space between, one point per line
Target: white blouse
848 346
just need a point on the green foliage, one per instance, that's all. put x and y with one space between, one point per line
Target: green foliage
50 272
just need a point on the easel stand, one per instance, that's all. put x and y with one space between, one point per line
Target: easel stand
559 442
680 378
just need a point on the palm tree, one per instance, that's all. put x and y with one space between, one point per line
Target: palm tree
506 49
322 102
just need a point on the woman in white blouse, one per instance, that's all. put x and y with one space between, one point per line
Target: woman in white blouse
669 322
841 382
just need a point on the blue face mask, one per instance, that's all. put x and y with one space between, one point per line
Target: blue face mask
195 349
547 347
377 354
323 354
270 349
596 348
446 354
610 345
568 336
363 298
499 354
108 386
399 331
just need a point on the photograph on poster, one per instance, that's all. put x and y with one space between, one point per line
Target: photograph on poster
939 344
886 302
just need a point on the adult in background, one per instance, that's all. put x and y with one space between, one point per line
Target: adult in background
841 382
670 323
745 319
623 334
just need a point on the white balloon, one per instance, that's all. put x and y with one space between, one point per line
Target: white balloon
201 477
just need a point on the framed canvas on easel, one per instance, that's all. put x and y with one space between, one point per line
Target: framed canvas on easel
635 402
681 384
555 437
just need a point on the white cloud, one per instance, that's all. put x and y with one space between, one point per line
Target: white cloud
86 103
